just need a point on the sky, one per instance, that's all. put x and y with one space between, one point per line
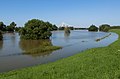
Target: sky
79 13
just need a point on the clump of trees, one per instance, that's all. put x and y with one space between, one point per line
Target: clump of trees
9 28
54 27
62 28
104 28
81 28
93 28
50 26
37 29
71 28
2 26
17 29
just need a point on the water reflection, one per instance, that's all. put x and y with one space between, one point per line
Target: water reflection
1 45
27 45
43 54
66 35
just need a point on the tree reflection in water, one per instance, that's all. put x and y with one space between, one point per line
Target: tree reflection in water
1 45
27 45
66 35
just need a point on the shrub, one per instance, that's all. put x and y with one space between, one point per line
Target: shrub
104 28
93 28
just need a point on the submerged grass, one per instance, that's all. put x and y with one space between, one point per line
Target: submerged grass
42 49
37 46
96 63
99 39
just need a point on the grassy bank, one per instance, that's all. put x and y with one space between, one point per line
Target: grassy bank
96 63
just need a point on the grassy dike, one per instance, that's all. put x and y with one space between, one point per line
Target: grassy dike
96 63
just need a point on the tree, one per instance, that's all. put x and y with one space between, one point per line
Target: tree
11 27
61 28
71 28
93 28
1 36
17 29
13 24
36 29
2 26
104 28
54 27
51 27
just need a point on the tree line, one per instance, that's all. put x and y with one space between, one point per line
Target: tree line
33 29
5 28
103 28
9 28
36 29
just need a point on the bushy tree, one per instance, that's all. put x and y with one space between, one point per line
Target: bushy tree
2 26
36 29
93 28
17 29
104 28
55 27
50 26
11 27
1 36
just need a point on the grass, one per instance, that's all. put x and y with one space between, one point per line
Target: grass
96 63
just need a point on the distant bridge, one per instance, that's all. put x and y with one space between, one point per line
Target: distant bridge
65 25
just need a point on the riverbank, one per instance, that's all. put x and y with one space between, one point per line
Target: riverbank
96 63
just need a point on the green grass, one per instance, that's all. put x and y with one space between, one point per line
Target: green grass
96 63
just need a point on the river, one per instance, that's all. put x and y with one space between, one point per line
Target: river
12 48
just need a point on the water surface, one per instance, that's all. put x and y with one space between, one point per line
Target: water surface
12 48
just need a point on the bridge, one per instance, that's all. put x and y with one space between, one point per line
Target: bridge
65 25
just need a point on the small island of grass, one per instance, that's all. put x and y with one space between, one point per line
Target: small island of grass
37 46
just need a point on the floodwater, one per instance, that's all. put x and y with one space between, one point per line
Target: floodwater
12 48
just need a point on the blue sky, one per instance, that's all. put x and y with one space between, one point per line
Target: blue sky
80 13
